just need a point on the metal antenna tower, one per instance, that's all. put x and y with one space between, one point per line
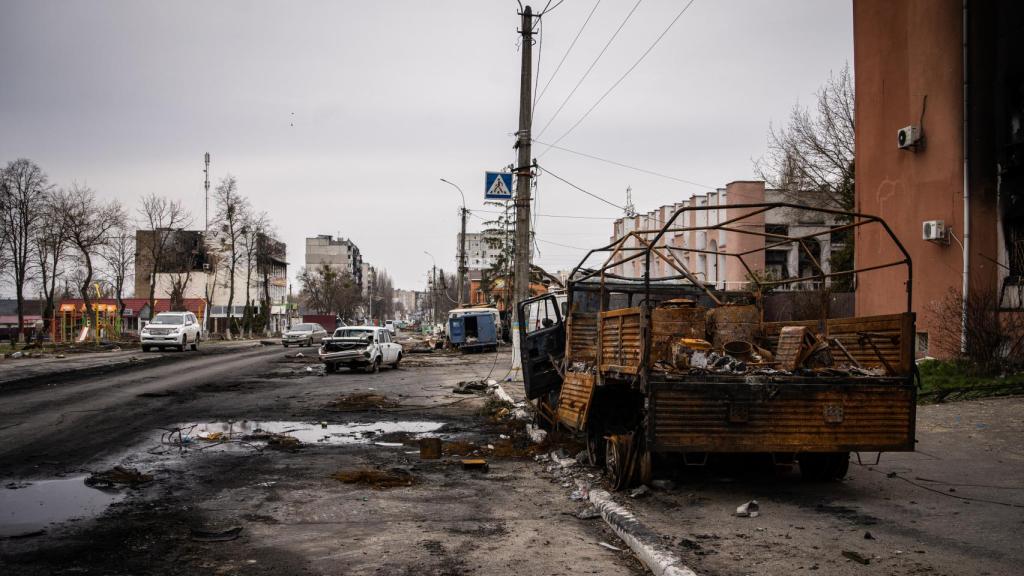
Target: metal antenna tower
206 187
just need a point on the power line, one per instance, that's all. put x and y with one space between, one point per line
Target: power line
557 244
613 162
566 55
623 77
555 215
592 64
608 202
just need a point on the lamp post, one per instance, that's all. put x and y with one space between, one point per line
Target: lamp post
462 240
433 288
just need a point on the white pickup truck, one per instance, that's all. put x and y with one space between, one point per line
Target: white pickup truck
367 347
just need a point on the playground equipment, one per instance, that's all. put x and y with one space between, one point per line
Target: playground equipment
72 323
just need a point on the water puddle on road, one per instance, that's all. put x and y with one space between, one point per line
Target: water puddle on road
27 508
305 432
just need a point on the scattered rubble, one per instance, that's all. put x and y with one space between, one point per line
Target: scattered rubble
118 476
857 557
749 509
376 478
361 401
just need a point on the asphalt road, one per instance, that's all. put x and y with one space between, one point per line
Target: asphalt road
294 517
955 506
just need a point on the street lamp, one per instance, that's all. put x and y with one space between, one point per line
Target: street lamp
462 239
433 288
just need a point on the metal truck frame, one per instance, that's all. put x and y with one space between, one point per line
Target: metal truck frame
602 370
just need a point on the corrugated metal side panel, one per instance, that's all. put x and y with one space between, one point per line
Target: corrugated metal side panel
892 335
782 418
621 341
582 337
574 399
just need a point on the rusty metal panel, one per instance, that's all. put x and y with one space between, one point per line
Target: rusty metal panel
574 399
582 346
671 324
728 323
782 417
622 340
875 341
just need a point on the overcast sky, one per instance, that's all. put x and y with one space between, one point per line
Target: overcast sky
340 117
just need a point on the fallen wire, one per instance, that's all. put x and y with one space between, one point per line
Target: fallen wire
941 492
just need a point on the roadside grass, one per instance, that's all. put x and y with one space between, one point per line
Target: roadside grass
944 381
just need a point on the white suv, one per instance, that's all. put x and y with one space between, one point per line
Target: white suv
172 330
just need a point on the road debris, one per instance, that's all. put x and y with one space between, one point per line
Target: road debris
588 513
361 401
537 435
430 448
748 509
475 464
470 387
640 491
857 557
202 535
609 546
118 476
376 478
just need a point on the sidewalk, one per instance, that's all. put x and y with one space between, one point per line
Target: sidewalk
14 370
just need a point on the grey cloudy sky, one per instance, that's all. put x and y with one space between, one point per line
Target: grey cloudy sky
340 117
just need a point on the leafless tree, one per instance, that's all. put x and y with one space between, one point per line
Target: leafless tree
118 254
161 217
327 291
254 229
51 246
813 152
987 338
271 252
23 192
232 212
88 222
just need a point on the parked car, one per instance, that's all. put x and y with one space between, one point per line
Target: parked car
391 326
172 330
367 347
305 334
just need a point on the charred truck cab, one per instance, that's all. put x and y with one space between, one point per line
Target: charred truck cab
651 367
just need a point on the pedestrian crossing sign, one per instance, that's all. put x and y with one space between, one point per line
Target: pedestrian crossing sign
498 185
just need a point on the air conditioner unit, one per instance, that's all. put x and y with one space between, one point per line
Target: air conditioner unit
935 231
908 137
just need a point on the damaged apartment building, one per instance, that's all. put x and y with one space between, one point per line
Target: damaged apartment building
940 156
191 267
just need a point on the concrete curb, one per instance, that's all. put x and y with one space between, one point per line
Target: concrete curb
642 540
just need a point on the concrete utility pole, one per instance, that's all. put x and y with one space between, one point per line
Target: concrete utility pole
521 268
462 241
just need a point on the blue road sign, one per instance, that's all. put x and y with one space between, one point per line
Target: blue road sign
498 186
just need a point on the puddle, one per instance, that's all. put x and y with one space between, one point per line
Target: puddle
41 503
309 432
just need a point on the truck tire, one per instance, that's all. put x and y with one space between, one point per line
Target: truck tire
595 447
184 343
145 348
195 344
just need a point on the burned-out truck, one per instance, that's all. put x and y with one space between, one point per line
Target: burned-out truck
675 366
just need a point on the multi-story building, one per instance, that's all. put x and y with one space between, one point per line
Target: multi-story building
339 253
481 254
191 265
704 252
952 71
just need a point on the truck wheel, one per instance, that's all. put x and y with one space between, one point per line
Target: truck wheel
285 344
823 466
184 343
373 367
615 461
195 344
595 447
838 465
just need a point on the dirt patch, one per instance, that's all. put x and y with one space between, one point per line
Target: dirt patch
376 478
298 358
360 401
118 476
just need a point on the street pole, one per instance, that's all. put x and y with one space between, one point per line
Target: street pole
462 254
433 293
462 240
521 270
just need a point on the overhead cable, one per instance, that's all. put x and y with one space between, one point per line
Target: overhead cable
613 162
623 77
564 56
589 69
591 194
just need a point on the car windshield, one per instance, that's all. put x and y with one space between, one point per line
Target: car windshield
302 328
352 333
169 319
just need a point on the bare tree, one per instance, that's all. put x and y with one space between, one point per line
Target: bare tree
51 247
23 192
232 212
254 228
814 152
118 253
88 223
271 252
161 217
327 291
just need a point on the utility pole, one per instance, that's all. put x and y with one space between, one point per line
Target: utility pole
462 254
206 186
433 293
521 270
